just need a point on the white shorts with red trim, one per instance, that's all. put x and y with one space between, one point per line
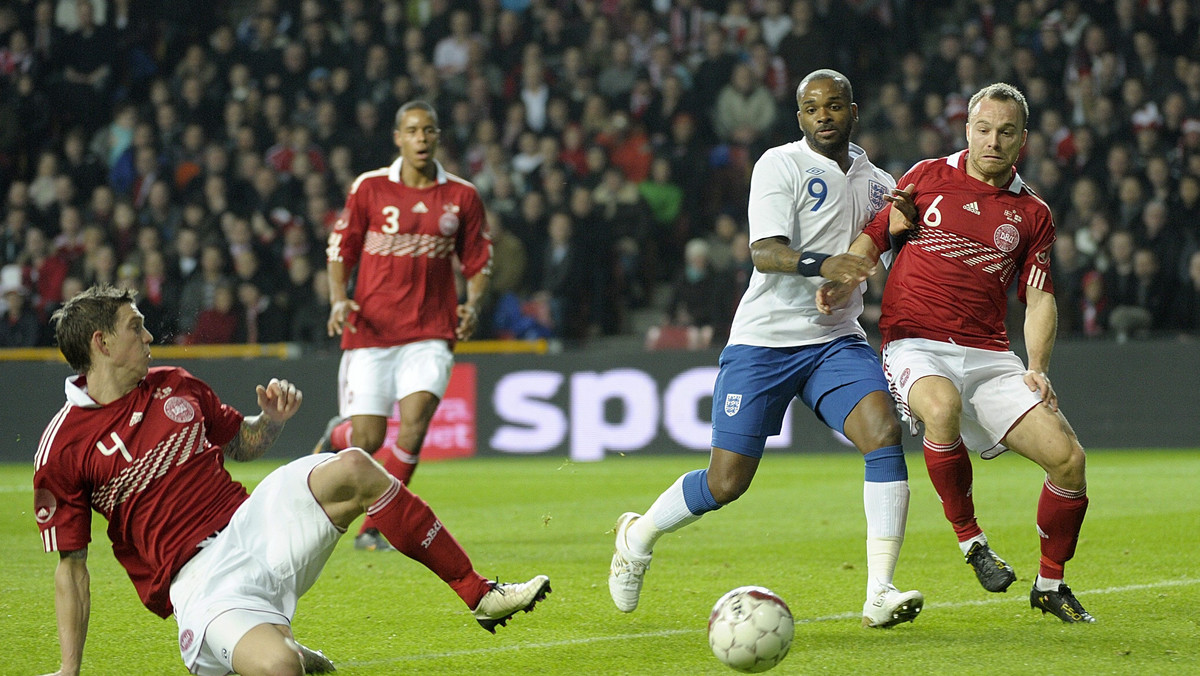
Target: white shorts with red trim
372 379
994 394
255 570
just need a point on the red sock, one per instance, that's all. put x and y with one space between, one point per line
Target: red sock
950 471
339 438
403 471
411 526
1059 518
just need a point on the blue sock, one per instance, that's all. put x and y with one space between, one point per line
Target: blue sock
885 464
696 494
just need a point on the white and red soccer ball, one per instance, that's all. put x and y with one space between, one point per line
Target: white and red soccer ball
751 629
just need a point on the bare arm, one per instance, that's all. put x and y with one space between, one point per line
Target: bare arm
864 246
72 607
339 305
279 401
835 293
1041 329
468 312
772 255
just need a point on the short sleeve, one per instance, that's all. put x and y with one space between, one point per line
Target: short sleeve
61 504
772 207
221 421
1035 269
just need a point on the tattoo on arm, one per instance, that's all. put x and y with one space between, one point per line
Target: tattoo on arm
774 255
257 434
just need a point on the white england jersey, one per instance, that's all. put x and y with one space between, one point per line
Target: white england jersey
803 196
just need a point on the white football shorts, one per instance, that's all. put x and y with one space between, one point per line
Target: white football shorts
253 571
994 393
372 379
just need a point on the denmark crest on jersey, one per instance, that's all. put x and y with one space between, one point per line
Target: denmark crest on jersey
179 409
733 404
876 191
1007 237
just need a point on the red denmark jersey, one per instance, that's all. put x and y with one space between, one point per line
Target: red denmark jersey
950 281
150 463
402 240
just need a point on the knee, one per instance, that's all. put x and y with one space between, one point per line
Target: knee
941 412
1070 469
367 439
727 487
360 472
880 431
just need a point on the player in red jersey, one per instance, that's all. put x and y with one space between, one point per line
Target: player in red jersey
945 350
401 227
146 449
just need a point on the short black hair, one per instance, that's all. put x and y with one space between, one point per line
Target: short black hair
826 74
417 105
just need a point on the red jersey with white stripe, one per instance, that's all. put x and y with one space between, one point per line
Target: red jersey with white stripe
150 463
950 281
402 240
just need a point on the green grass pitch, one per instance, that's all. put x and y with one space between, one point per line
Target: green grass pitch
799 530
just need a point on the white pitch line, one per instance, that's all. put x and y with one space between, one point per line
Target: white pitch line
676 632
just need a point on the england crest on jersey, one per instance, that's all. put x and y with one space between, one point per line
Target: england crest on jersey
733 404
876 191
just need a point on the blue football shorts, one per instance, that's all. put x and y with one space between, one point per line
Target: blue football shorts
756 384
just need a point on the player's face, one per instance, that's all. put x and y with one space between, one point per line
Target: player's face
995 136
129 343
826 116
417 138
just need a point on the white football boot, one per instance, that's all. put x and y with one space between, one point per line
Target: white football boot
891 607
627 570
505 599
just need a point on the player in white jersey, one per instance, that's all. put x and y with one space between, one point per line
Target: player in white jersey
807 197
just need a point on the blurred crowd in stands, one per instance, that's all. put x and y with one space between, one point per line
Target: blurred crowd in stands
200 152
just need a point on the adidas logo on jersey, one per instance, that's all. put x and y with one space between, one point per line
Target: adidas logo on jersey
973 207
420 208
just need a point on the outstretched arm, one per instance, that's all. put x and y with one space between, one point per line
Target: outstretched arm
1041 328
834 294
772 255
279 401
72 608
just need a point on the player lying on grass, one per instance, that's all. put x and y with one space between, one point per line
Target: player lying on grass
146 449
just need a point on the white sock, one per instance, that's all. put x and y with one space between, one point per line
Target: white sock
1046 584
966 545
668 514
886 508
404 456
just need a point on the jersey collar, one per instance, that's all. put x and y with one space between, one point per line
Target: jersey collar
394 171
857 155
959 161
76 387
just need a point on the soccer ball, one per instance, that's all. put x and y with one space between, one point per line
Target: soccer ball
751 629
